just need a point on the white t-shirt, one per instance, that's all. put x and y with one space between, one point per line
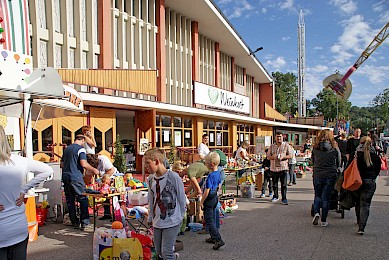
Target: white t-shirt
203 150
88 149
238 153
13 221
105 164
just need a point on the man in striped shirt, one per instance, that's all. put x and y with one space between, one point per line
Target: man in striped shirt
278 154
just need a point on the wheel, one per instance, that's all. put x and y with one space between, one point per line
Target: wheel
312 213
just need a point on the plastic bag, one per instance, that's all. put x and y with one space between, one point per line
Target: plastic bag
127 248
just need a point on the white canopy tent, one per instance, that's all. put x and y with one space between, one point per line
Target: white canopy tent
34 95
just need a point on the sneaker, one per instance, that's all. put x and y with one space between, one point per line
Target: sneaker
289 184
210 240
76 226
285 202
218 244
324 224
274 199
270 195
294 183
315 220
181 233
361 232
105 217
262 195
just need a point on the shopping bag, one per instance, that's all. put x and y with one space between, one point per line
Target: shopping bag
127 248
352 179
102 244
384 163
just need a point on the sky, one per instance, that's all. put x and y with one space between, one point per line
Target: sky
336 34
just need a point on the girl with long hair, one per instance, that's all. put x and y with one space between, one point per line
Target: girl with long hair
13 221
326 160
369 166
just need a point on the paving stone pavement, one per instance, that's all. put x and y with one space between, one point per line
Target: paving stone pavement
258 229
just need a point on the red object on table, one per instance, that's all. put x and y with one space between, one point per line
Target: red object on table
41 215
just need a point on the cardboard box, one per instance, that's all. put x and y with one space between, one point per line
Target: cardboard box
259 180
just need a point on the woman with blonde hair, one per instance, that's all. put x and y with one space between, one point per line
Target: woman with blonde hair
13 221
326 160
369 166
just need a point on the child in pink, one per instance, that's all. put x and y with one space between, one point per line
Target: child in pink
105 184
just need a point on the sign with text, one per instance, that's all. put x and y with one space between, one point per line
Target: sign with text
219 98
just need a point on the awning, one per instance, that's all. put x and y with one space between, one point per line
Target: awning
52 108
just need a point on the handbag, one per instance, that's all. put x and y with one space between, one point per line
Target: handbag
352 179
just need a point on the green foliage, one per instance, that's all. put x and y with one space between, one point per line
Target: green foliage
381 105
286 92
325 104
120 159
172 156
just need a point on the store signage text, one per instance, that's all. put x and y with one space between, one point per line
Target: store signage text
219 98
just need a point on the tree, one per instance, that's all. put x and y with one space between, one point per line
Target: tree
120 159
286 92
325 103
381 105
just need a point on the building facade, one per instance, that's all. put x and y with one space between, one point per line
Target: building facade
163 70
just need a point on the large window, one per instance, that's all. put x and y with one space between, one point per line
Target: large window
245 133
217 132
176 129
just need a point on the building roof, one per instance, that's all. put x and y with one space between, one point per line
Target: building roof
215 26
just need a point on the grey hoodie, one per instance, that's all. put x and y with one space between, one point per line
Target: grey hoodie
326 161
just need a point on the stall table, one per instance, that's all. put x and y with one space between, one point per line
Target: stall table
109 197
236 170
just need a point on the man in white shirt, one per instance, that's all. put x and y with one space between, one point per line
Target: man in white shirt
203 148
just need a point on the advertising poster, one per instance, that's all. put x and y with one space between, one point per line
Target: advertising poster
218 138
143 145
177 138
259 144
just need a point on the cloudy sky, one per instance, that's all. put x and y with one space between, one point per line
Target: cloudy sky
336 32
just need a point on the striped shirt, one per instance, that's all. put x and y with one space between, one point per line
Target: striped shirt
283 149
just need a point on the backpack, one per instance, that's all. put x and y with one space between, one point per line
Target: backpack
223 157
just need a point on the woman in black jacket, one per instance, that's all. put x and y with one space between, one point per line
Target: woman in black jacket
369 166
326 161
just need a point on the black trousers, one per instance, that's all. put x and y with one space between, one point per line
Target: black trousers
282 176
15 252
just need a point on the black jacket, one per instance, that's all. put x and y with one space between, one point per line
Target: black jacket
368 172
326 161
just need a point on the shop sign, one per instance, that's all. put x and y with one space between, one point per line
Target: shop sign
219 98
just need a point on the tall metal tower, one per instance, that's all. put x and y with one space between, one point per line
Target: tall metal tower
302 105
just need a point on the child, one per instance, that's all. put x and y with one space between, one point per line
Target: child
105 184
178 167
166 203
267 177
210 199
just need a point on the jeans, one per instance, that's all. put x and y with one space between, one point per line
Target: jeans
164 240
323 188
363 198
73 191
210 204
292 174
282 175
267 179
15 252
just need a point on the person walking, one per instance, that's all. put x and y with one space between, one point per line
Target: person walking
352 145
73 163
326 161
292 164
13 220
369 166
167 203
342 144
279 153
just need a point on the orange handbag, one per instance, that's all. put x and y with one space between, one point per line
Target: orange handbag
352 178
